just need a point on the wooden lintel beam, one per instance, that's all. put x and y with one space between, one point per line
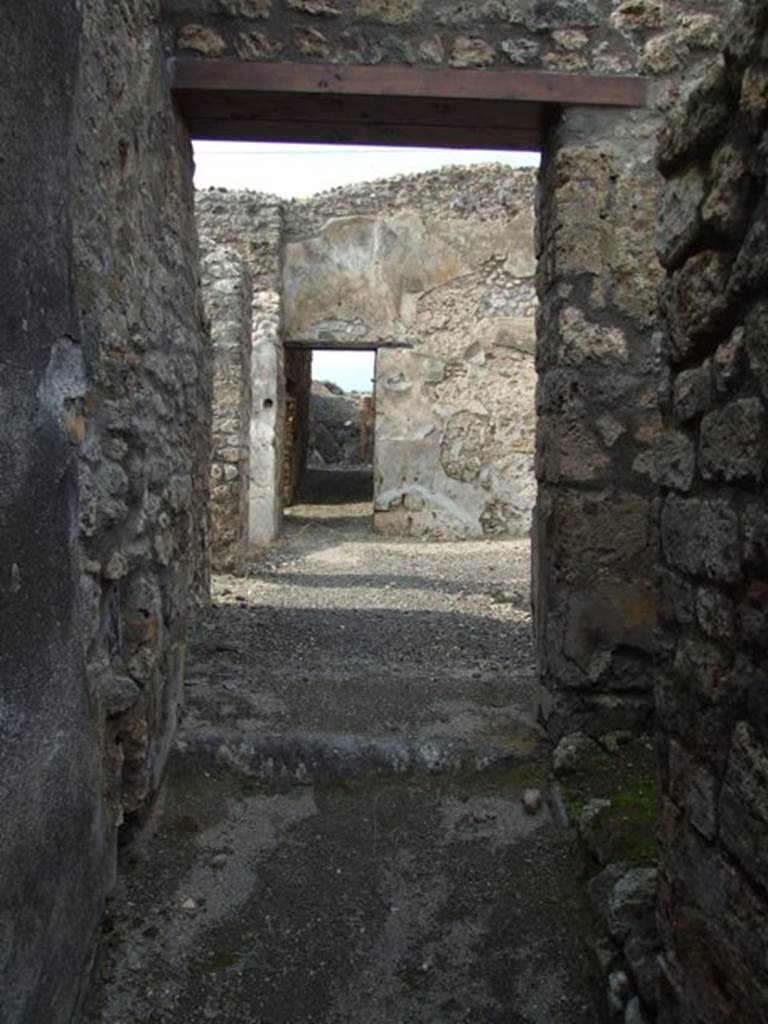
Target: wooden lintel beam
191 76
342 346
369 133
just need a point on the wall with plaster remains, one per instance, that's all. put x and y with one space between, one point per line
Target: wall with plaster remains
227 293
712 465
250 225
595 535
105 465
442 264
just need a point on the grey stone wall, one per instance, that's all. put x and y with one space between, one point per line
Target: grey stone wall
52 840
227 292
603 36
104 469
143 425
442 264
251 225
598 357
598 373
712 463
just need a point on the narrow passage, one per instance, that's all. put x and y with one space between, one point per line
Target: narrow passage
341 839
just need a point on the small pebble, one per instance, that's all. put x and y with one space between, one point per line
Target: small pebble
531 801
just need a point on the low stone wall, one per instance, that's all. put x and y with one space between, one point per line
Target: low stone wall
712 465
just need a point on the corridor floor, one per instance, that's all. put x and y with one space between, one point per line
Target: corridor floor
341 839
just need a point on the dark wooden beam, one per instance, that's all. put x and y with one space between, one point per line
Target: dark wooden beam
368 134
393 105
217 75
343 346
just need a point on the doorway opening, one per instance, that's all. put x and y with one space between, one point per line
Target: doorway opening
328 443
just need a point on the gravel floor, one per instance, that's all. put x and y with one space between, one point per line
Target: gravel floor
340 632
399 898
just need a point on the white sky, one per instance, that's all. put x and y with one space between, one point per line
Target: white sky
352 371
296 171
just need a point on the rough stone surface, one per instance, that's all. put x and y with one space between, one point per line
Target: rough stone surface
105 477
227 292
598 422
442 265
251 226
556 35
711 699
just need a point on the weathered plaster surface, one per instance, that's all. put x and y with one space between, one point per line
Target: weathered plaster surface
251 225
227 292
443 264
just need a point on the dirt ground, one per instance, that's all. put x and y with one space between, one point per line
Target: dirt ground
341 839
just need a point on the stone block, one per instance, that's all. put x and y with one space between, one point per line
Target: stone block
701 296
233 8
715 613
257 46
556 14
700 123
750 270
756 338
201 39
675 461
605 617
519 51
463 13
583 340
693 392
753 615
472 52
311 42
327 8
568 451
744 802
637 15
754 525
733 443
727 204
700 537
678 226
729 363
590 531
388 12
676 598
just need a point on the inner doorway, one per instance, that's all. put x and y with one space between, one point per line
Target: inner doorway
329 434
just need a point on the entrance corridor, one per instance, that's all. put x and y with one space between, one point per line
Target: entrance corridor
342 840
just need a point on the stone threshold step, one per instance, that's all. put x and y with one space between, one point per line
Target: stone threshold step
306 758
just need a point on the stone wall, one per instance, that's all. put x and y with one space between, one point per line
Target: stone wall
598 357
251 225
105 465
712 464
602 36
52 843
442 265
143 423
227 292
